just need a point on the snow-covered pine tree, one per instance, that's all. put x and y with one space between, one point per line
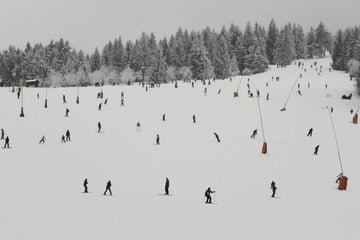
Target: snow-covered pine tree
233 67
300 42
338 55
201 67
221 61
272 35
95 61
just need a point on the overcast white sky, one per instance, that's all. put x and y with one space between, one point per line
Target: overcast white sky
92 23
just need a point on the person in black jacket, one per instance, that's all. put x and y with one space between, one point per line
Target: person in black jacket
167 185
310 132
316 149
67 134
85 185
217 136
208 195
99 126
273 188
108 188
7 140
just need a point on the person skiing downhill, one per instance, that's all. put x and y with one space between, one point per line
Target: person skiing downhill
99 126
194 118
273 188
316 149
138 126
67 112
99 107
254 133
67 134
163 117
310 132
42 140
85 185
217 137
63 140
108 188
208 195
157 139
64 99
7 140
2 134
167 185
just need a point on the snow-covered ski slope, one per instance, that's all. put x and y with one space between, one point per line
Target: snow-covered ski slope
41 184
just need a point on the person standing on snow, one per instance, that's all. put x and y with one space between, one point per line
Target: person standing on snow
85 185
194 118
42 140
2 134
254 133
7 140
273 188
167 185
67 134
310 132
99 126
208 195
157 139
316 149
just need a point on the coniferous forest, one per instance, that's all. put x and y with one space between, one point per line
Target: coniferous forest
183 56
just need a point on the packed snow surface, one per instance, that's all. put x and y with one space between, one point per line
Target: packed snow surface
41 184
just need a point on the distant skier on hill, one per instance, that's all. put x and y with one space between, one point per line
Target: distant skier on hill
257 93
99 107
7 141
351 111
157 139
2 134
310 132
63 140
217 136
68 135
122 102
267 96
254 133
106 100
208 195
67 112
64 99
316 150
167 185
99 126
273 188
42 140
163 117
108 188
194 118
138 126
85 185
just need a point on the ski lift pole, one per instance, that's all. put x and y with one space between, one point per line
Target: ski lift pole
337 145
287 99
264 148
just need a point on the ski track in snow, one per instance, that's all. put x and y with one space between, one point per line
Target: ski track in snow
41 184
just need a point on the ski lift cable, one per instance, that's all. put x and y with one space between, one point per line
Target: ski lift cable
261 120
292 88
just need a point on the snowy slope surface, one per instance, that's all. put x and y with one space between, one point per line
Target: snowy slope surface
41 184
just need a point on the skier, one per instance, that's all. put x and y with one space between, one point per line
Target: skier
257 93
267 96
138 126
205 91
331 109
2 134
273 188
99 108
68 135
308 84
106 100
299 92
63 139
253 135
167 184
176 85
163 117
64 99
122 102
122 94
99 126
7 140
42 140
310 132
157 139
67 112
108 188
351 111
192 84
37 95
18 93
208 195
217 136
316 150
85 185
194 118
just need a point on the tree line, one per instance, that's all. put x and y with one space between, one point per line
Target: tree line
184 55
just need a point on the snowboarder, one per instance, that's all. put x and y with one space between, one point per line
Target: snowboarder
163 117
157 139
194 118
217 136
108 188
310 132
167 185
253 135
208 195
64 99
100 104
7 140
99 126
316 150
63 139
85 185
68 135
138 126
67 112
2 134
42 140
273 188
